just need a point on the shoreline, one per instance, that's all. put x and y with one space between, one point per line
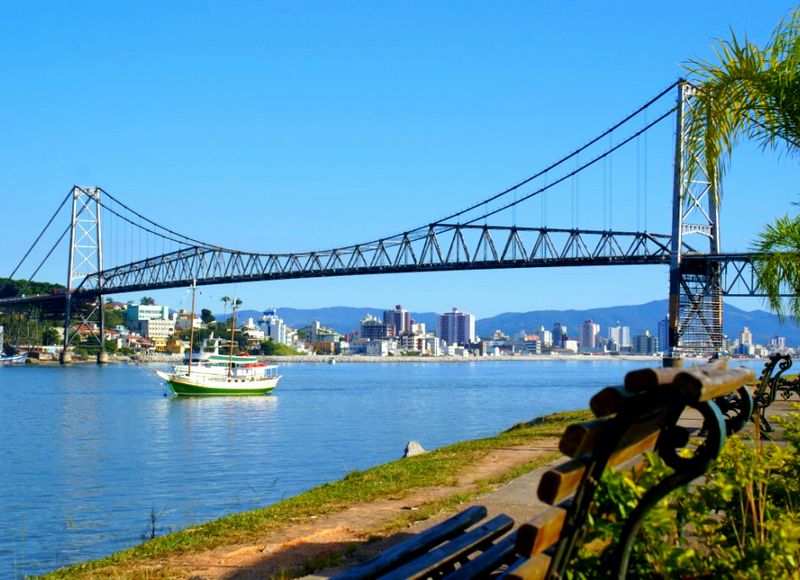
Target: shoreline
453 359
364 359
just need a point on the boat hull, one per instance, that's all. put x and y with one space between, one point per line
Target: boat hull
13 360
182 386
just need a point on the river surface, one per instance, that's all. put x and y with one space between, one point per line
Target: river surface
88 453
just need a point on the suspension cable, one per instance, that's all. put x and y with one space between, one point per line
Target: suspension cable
39 237
579 169
567 157
141 227
151 222
52 249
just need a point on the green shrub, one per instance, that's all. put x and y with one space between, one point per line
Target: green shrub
742 522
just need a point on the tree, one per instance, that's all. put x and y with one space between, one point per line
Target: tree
147 301
753 92
206 316
50 336
779 246
225 300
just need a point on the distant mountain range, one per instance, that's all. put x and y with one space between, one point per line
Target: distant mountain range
639 317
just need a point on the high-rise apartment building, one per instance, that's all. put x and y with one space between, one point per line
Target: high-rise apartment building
589 332
559 334
273 326
456 327
373 329
746 337
399 318
663 334
776 343
645 343
620 335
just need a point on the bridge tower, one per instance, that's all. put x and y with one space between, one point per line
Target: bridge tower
695 297
85 259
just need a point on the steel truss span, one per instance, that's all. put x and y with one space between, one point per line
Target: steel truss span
733 273
442 247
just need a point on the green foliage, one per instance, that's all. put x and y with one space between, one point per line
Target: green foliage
148 301
752 91
742 522
113 317
749 91
779 264
270 348
50 336
11 288
206 316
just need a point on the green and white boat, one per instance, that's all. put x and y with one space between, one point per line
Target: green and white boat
215 375
222 375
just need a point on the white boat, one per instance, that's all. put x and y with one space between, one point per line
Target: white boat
14 359
220 375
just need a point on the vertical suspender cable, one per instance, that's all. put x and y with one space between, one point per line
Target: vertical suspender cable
644 135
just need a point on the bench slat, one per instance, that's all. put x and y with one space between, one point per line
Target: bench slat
703 385
490 560
581 438
415 545
562 481
541 532
610 400
453 550
651 378
535 568
697 383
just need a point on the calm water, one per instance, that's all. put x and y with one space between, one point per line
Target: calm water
89 452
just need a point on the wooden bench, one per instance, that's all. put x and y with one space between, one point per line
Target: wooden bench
640 416
771 383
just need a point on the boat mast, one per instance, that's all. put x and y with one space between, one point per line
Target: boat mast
191 329
233 332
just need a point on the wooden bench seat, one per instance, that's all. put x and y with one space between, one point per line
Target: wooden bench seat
642 415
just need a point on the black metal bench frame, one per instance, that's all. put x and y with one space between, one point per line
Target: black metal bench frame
771 385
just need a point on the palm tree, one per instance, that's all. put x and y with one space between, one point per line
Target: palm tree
225 300
753 92
779 246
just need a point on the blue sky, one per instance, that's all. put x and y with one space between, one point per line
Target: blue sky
305 125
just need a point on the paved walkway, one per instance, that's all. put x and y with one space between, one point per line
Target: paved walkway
517 499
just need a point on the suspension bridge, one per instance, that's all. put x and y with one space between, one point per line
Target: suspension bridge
114 249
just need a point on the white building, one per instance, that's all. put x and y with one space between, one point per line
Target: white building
776 343
154 328
150 320
620 335
571 345
456 327
273 326
184 321
138 312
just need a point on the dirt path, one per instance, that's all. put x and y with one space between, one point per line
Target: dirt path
289 551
